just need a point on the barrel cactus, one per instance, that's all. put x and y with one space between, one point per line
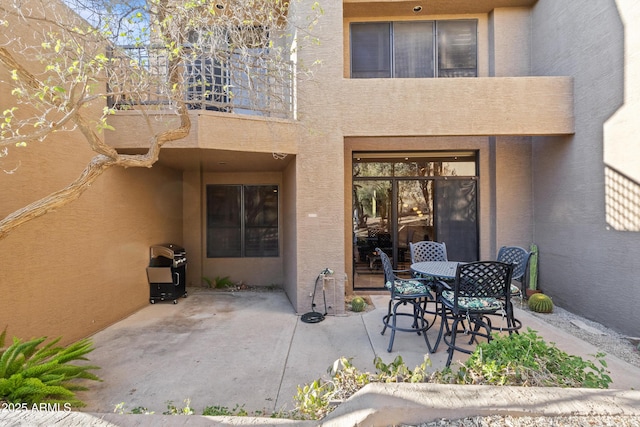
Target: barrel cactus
358 304
540 303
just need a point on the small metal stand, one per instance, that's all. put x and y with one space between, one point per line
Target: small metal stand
313 316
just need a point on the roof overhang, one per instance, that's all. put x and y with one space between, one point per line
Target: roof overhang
366 8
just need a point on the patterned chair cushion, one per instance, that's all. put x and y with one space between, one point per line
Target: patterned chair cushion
408 287
474 303
515 290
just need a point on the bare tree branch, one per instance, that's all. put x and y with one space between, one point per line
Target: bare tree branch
70 73
57 199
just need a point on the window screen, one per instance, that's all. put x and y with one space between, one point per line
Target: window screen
457 52
371 50
409 49
413 49
261 220
242 221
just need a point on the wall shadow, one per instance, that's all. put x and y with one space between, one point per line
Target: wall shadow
622 201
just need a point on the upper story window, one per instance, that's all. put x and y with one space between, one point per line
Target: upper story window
414 49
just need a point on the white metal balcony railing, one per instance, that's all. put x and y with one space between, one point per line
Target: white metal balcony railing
250 84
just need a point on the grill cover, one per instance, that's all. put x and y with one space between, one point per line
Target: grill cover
176 255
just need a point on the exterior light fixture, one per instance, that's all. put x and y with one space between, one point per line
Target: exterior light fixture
417 9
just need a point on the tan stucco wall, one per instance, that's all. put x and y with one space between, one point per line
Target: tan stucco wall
289 232
193 225
221 131
509 46
513 213
422 114
557 68
587 265
81 268
479 106
319 165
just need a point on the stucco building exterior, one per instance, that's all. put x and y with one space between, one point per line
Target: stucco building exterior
519 128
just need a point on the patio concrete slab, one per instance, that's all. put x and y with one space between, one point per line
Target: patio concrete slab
214 348
250 349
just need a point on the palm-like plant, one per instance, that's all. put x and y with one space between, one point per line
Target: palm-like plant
34 374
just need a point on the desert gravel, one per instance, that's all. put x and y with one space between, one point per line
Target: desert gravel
570 421
607 340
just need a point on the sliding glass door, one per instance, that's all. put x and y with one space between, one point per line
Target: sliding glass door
399 198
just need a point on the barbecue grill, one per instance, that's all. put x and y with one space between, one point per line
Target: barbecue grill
167 273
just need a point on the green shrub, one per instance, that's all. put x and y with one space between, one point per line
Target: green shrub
525 359
223 282
516 360
237 411
32 375
175 410
398 372
313 399
121 409
218 282
316 399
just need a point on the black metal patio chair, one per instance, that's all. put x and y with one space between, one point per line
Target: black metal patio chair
411 292
428 251
519 257
481 290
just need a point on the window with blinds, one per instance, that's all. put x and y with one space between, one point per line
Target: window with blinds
242 221
414 49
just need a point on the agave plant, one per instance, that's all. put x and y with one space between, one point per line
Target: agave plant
30 374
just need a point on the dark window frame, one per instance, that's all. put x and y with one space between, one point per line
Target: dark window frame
242 220
387 60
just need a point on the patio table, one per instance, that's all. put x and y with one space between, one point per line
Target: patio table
444 270
439 270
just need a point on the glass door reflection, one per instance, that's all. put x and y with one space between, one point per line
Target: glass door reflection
414 216
372 224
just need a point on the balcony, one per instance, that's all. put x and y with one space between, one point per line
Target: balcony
249 84
483 106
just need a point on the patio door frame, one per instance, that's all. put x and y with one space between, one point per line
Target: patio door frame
394 228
